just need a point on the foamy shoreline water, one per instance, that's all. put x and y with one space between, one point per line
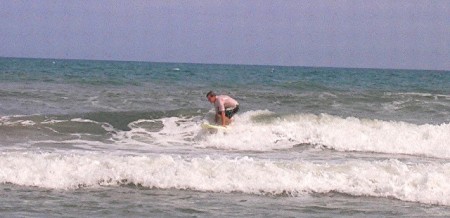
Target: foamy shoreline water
424 183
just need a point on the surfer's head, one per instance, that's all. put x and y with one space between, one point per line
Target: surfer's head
211 96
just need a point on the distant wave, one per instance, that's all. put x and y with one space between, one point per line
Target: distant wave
419 94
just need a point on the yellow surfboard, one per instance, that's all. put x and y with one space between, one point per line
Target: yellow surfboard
211 126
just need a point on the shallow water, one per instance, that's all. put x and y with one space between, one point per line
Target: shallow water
135 201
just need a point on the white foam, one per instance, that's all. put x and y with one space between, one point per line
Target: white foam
9 121
425 183
171 131
80 120
344 134
53 121
419 94
244 134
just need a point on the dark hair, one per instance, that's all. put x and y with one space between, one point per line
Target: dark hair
210 93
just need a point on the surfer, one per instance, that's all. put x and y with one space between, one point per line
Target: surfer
225 107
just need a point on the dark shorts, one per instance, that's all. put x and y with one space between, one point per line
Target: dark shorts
229 112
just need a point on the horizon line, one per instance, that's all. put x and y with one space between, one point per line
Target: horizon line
235 64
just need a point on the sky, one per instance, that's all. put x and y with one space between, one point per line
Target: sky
400 34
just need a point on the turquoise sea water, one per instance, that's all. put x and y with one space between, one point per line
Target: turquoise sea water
108 138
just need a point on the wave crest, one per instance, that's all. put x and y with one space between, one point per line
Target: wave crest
263 130
426 183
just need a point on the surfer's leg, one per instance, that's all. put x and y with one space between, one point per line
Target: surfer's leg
217 118
229 112
227 120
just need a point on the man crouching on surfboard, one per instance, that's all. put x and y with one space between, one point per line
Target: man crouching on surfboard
225 107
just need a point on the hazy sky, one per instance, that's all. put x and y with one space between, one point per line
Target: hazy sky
366 33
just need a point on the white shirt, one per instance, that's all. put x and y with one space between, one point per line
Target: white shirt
223 102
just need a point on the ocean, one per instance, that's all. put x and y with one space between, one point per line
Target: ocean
81 138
